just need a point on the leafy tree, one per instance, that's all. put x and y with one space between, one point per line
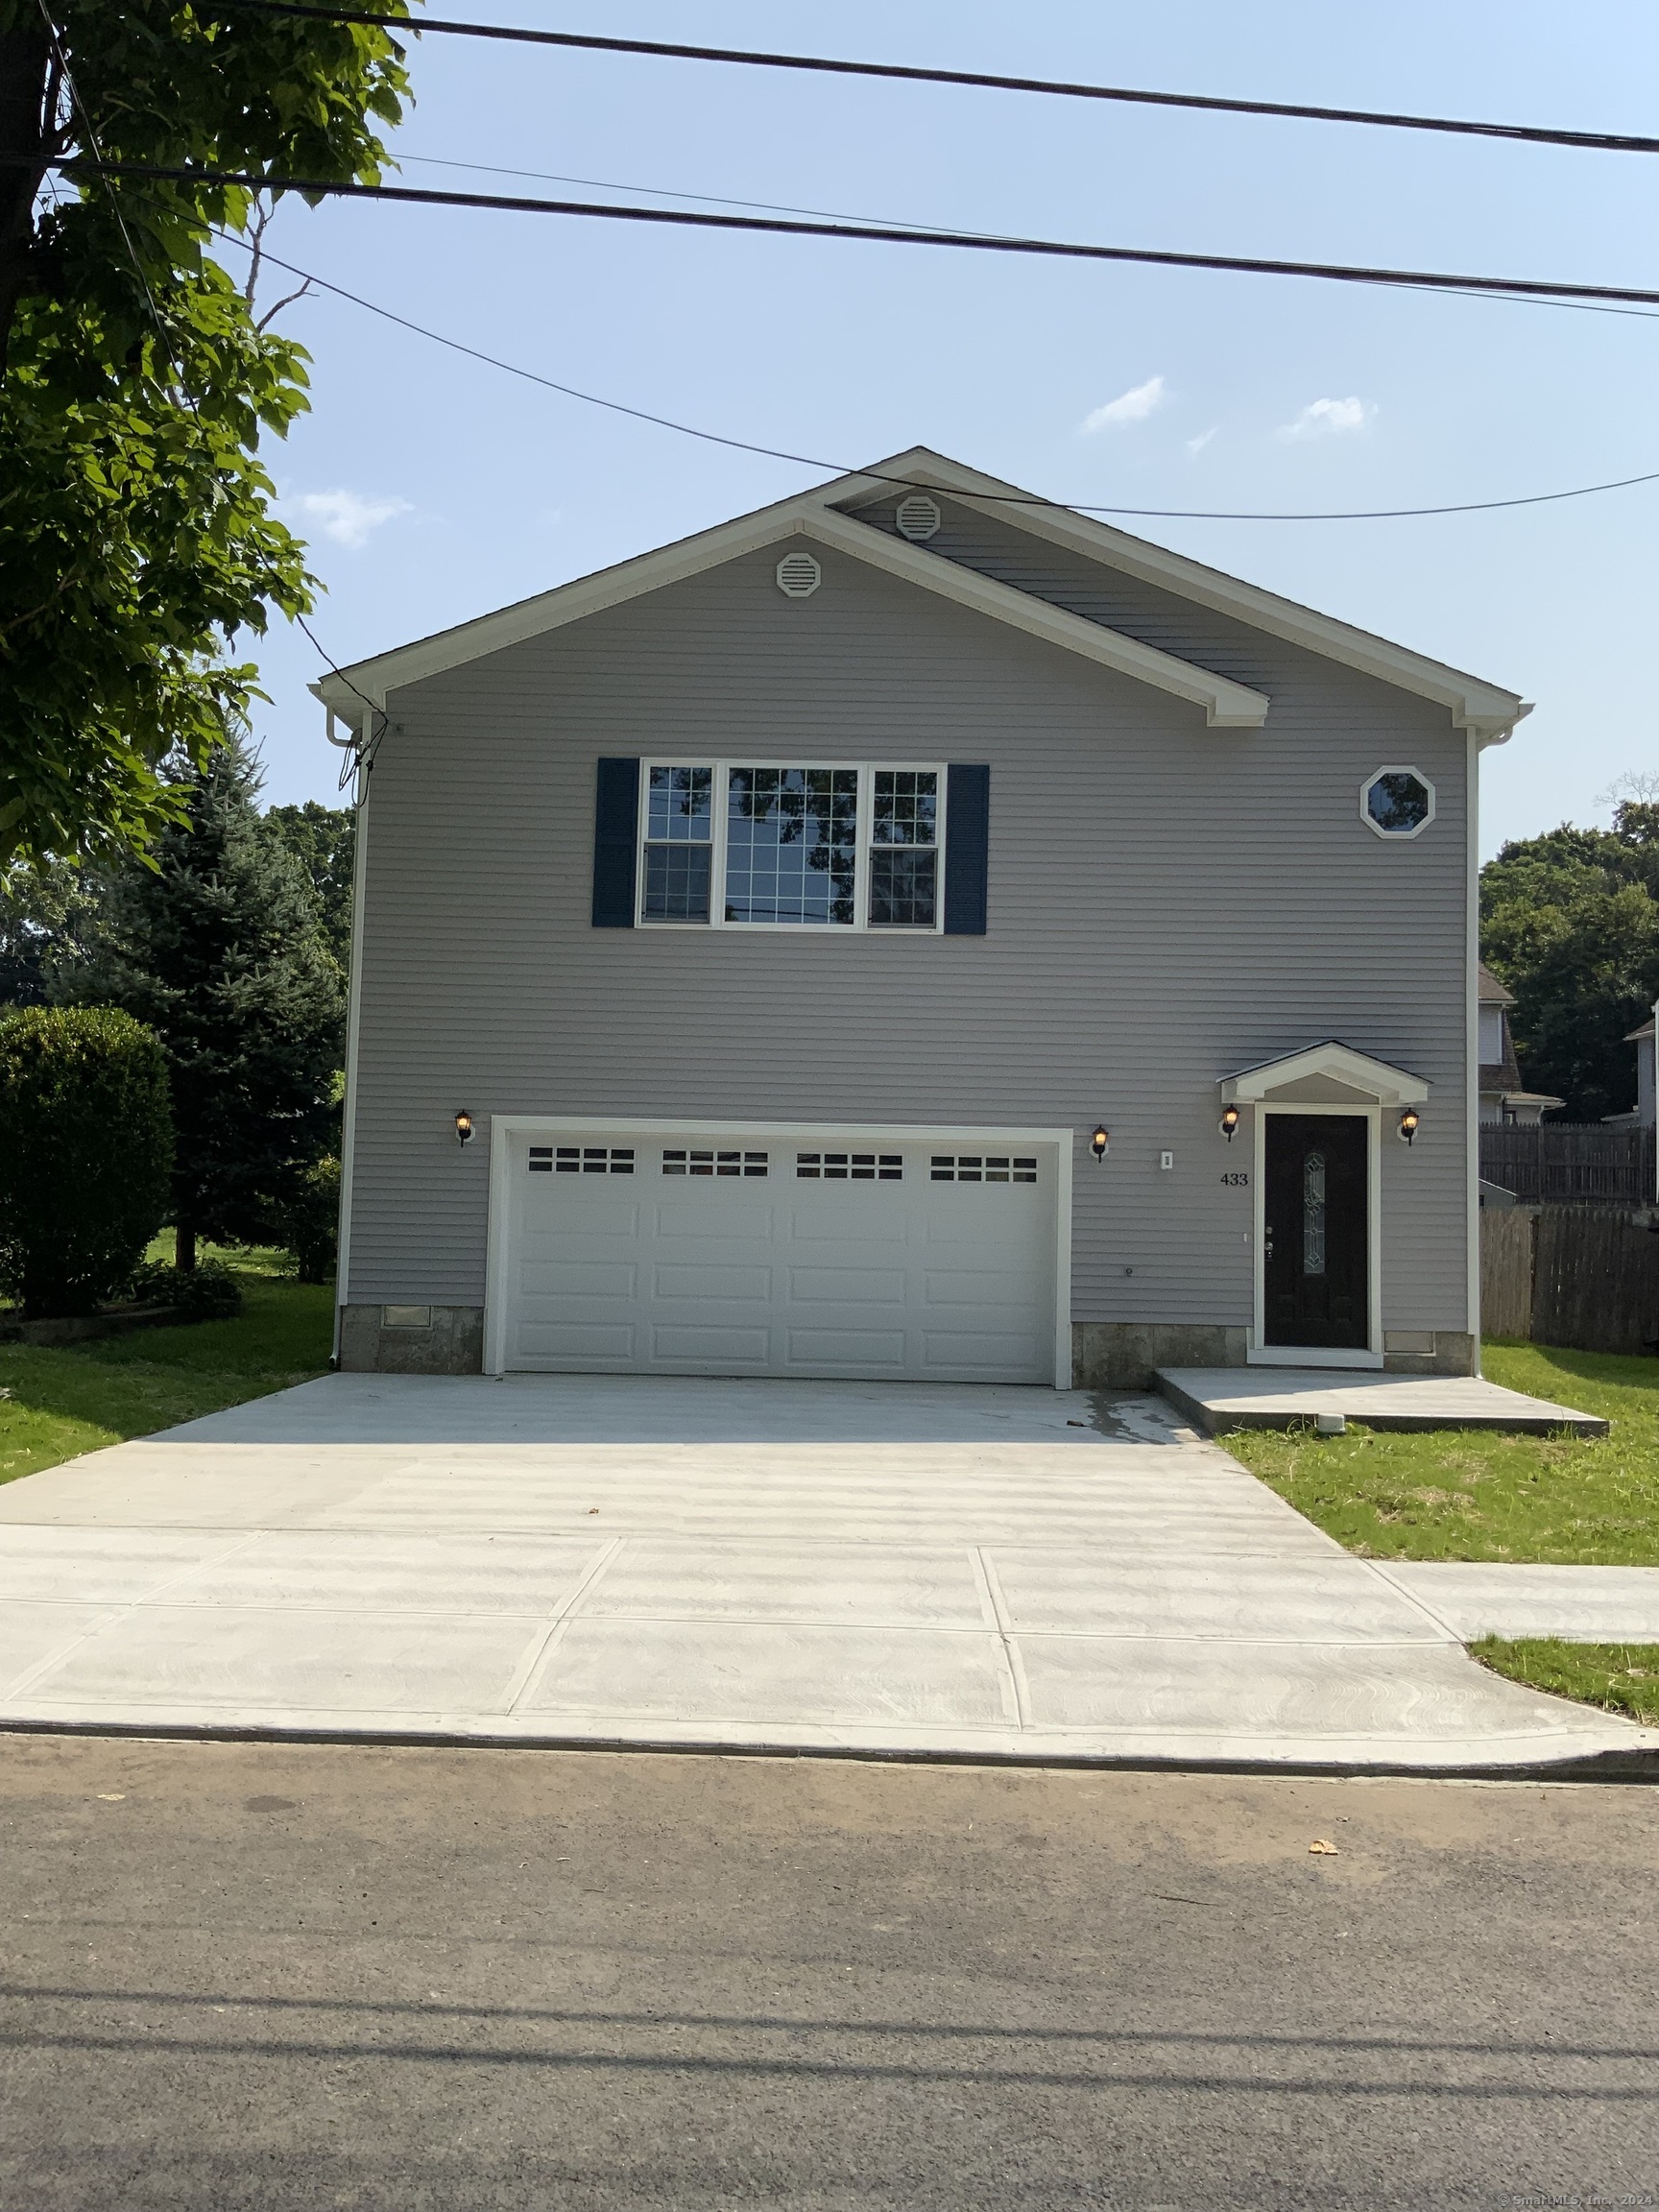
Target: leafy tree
219 947
42 911
136 383
85 1145
324 840
1569 921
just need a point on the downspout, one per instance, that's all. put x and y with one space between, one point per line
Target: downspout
1472 1026
354 1025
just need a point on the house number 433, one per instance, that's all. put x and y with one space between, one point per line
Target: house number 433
1235 1182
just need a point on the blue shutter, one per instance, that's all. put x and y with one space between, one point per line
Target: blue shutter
615 843
967 847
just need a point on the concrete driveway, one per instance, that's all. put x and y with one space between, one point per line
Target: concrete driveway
977 1573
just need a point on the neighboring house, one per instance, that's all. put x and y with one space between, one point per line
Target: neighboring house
1641 1115
912 931
1503 1096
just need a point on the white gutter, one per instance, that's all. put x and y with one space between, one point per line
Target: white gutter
1472 1025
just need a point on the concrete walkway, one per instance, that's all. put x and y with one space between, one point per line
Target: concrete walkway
1583 1605
973 1572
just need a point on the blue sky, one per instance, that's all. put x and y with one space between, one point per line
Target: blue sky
432 488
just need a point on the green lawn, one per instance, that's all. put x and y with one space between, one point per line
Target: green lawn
1618 1677
58 1402
1470 1494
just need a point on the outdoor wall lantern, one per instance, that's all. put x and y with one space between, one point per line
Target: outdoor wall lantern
463 1127
1229 1121
1099 1141
1409 1125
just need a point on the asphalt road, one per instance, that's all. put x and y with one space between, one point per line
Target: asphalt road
286 1976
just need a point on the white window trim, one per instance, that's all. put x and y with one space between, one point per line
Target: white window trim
505 1133
860 924
1261 1353
1395 836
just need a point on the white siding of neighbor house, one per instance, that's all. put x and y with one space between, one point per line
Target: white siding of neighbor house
1167 904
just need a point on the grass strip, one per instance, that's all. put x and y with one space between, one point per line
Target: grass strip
1618 1677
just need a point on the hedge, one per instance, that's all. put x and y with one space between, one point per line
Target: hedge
85 1153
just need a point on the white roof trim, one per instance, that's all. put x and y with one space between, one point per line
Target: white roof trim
1389 1085
1226 705
1485 708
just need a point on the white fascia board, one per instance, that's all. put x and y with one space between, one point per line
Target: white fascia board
1376 1079
1475 705
551 609
1226 705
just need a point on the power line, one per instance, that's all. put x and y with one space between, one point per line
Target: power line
840 215
1597 141
663 192
906 482
893 234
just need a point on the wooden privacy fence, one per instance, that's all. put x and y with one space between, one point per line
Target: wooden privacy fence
1586 1276
1568 1162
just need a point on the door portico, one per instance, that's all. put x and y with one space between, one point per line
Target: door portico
1318 1205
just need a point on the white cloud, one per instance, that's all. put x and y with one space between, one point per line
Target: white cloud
1330 418
1197 445
347 516
1132 406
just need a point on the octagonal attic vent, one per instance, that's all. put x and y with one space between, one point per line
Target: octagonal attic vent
918 517
799 576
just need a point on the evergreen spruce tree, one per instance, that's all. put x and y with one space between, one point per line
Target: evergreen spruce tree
220 948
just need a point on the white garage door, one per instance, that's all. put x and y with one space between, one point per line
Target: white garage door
732 1254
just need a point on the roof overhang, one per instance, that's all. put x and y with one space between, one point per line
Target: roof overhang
1226 704
1486 710
1312 1076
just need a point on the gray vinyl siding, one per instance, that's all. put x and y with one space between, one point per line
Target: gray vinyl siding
1167 902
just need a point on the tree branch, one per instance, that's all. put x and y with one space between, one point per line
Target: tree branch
287 300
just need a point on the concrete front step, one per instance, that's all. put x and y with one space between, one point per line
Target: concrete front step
1222 1399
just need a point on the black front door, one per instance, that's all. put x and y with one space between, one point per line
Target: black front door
1315 1243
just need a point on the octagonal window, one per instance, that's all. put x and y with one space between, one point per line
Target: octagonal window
1397 802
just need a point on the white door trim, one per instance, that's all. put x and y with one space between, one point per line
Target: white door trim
504 1128
1261 1354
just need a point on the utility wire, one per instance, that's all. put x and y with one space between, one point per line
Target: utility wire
911 484
1597 142
840 215
663 192
977 242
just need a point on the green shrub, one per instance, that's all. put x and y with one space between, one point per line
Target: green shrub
85 1153
209 1291
307 1225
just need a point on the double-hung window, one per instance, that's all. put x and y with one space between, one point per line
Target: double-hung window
679 847
763 844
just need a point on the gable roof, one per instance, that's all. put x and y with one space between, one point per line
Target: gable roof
820 516
1488 990
1334 1062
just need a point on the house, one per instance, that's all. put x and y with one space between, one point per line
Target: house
1644 1112
1502 1095
912 931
